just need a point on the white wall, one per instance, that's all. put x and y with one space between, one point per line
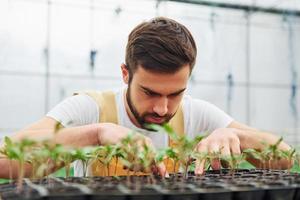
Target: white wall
65 31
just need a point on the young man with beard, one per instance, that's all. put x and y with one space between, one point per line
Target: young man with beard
160 56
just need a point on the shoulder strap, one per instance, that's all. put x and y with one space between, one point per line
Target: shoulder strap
107 103
177 123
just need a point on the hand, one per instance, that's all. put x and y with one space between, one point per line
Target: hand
109 133
223 142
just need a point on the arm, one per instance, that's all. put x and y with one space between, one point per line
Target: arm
253 138
43 130
75 136
87 135
235 138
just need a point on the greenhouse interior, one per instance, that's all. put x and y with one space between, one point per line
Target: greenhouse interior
144 99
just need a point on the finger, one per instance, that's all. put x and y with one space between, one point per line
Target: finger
162 170
200 163
235 149
159 169
214 150
215 164
154 169
225 152
199 167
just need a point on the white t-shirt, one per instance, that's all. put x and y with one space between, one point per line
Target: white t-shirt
199 117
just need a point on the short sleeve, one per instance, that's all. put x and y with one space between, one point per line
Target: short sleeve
75 111
203 117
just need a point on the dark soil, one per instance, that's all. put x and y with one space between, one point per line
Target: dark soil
214 185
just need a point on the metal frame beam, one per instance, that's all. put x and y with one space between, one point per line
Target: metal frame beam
248 8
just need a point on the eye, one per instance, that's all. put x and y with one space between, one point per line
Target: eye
175 95
150 94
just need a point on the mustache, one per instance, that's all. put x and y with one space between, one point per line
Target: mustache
156 115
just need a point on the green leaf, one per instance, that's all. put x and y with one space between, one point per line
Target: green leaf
8 141
253 153
159 157
166 128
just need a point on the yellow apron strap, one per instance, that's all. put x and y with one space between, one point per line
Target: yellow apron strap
177 123
107 103
108 107
108 113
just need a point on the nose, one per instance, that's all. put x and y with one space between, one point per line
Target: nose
161 106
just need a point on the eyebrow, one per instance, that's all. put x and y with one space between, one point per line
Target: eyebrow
157 93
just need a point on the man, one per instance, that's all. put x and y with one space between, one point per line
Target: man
160 57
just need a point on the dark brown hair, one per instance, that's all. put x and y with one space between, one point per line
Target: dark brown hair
160 45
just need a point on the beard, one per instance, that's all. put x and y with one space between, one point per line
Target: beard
141 118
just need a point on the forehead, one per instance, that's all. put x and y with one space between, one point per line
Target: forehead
161 82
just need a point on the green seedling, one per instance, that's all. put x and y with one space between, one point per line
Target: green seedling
135 152
183 146
85 155
291 155
271 153
234 161
66 157
253 154
105 154
39 160
18 151
172 154
201 157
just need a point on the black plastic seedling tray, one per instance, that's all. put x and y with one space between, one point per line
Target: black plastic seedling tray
214 185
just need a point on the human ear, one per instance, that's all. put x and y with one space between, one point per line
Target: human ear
125 73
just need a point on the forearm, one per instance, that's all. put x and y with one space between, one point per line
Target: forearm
78 136
252 139
10 168
75 136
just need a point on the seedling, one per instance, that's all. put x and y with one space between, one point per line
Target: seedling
172 154
66 158
18 151
135 152
105 154
234 161
290 155
183 147
271 153
85 156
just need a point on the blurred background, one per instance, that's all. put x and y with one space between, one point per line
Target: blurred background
248 60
